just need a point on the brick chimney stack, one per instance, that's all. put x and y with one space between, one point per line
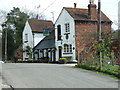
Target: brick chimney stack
92 12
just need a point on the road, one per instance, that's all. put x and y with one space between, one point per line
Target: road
53 76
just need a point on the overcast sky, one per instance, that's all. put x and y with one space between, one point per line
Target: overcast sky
109 7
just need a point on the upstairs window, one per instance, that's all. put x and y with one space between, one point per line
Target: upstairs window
59 32
67 48
67 27
26 37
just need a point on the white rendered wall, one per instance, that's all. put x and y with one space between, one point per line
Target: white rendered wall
37 38
65 18
27 30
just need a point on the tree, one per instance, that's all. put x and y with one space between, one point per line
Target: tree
14 26
34 14
17 20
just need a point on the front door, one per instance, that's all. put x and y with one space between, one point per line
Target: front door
60 51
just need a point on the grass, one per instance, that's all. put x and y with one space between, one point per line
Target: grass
109 70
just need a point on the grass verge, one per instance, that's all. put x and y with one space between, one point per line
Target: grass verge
109 70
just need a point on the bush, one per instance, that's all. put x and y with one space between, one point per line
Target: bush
63 58
20 60
30 59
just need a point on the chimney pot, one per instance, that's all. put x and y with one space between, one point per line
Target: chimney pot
75 4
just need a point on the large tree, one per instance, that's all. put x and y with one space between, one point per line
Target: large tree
14 26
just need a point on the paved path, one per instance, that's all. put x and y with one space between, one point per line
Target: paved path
2 85
54 76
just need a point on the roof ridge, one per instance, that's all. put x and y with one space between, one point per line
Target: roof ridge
74 8
38 20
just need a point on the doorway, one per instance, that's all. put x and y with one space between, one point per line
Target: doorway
60 51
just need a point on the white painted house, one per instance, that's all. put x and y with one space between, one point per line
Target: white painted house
64 33
33 34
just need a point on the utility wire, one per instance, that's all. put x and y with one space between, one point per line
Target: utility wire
48 6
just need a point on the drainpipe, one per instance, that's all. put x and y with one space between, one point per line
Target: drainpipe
33 45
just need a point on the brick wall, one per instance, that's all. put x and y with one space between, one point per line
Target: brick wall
86 34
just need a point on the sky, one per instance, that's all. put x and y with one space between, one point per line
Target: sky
109 7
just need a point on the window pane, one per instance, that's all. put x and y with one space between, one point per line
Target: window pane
59 32
67 48
70 48
64 48
26 37
67 27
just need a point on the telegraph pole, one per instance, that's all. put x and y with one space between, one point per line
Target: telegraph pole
6 45
99 20
99 32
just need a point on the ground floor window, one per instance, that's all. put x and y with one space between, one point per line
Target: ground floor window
67 48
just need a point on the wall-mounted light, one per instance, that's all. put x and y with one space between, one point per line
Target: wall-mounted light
73 48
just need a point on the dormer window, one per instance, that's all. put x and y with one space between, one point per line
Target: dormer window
67 27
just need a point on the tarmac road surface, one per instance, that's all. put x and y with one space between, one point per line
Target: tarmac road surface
39 75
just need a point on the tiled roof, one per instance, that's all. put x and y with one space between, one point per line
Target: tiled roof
82 14
40 25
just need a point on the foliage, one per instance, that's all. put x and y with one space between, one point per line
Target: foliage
98 54
10 42
103 51
30 59
107 69
116 34
2 16
17 20
63 58
104 48
33 14
14 26
20 60
29 51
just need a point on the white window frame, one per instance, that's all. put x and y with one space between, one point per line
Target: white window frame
67 48
67 27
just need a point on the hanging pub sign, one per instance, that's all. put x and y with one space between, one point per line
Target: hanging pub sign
46 32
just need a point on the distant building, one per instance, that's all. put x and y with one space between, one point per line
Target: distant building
119 15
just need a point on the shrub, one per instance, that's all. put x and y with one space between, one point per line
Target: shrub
63 58
20 60
30 59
